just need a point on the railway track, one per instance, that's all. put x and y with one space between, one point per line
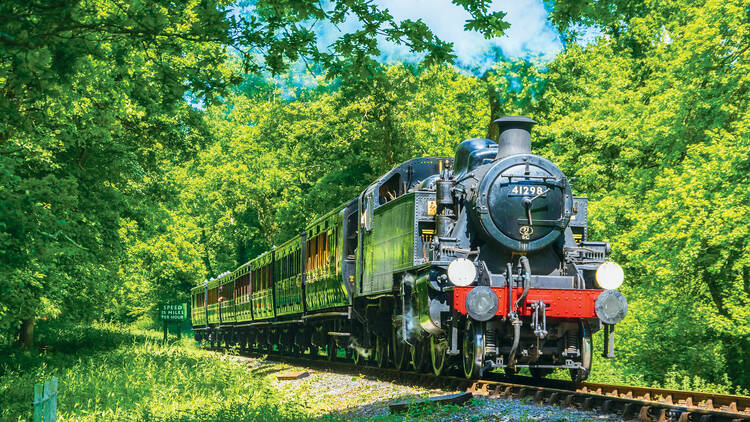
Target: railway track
628 402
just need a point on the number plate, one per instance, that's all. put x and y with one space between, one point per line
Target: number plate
528 190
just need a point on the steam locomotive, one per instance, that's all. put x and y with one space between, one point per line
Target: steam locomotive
473 263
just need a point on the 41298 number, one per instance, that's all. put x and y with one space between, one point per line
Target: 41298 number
527 190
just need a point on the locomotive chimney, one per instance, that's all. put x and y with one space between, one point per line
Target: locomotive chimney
515 135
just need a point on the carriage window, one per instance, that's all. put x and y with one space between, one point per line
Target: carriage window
297 261
326 249
308 254
318 247
333 250
240 286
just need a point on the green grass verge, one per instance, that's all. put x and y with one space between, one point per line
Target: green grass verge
107 372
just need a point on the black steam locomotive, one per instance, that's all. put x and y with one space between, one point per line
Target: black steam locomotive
478 262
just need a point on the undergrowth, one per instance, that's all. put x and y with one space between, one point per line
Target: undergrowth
108 372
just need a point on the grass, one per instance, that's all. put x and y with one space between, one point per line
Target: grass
108 372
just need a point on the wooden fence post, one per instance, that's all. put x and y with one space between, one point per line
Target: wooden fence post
53 400
38 402
45 401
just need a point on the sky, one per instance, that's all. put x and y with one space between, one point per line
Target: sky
529 36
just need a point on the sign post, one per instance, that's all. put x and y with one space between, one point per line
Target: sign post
173 312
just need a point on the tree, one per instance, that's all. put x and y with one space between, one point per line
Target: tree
652 120
91 106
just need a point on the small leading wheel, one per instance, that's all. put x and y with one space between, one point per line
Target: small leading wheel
419 356
438 355
584 345
381 352
473 349
332 349
400 350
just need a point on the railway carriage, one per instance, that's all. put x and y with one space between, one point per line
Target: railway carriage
478 262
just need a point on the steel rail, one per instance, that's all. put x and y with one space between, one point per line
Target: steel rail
628 402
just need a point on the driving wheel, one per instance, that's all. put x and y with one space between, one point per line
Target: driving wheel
472 349
438 355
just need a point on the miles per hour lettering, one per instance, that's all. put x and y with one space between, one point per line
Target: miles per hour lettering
527 190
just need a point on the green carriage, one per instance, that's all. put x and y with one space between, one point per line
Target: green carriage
261 286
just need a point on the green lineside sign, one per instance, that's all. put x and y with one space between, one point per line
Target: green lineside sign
173 312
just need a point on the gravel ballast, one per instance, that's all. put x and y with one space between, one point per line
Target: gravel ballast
337 396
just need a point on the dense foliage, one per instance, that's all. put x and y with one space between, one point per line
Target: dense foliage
653 120
91 111
115 194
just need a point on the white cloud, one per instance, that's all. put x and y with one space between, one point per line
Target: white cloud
529 35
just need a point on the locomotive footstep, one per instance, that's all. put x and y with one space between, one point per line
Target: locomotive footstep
458 398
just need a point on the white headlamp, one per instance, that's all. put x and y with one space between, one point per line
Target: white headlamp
462 272
609 275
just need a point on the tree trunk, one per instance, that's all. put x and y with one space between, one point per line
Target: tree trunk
26 333
206 258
